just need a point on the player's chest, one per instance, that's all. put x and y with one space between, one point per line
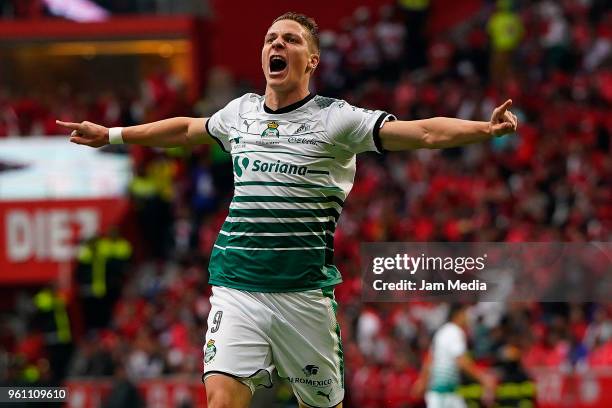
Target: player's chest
296 135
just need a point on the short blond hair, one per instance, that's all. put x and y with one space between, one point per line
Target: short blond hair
307 22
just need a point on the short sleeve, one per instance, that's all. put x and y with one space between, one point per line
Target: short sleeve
455 341
357 128
221 122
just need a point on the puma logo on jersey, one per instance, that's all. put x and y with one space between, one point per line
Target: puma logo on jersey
248 124
321 393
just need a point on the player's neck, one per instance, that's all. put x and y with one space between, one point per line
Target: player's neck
278 100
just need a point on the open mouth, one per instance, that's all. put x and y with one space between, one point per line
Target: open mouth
277 63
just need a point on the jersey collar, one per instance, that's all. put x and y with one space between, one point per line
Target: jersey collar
291 107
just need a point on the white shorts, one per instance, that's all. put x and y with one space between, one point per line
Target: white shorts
444 400
250 334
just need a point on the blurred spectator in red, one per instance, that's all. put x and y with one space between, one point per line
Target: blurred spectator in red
398 380
551 351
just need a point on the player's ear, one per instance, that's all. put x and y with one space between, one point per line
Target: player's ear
313 62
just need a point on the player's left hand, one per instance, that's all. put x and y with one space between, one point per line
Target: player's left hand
502 120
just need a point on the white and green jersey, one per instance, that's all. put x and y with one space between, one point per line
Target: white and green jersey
447 345
293 169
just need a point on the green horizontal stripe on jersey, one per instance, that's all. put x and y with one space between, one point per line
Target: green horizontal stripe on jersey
280 199
444 374
318 172
255 249
281 184
298 213
444 388
244 241
289 153
272 271
280 227
327 252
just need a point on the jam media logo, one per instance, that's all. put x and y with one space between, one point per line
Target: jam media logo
211 351
310 370
240 164
272 130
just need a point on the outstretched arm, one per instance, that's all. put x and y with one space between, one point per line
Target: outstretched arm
180 131
420 385
437 133
487 381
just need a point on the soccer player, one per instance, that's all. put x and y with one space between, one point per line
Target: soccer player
272 267
446 359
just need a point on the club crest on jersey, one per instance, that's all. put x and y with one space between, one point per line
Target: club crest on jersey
271 130
310 369
210 352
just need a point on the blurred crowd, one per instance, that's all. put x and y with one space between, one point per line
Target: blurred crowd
550 182
37 9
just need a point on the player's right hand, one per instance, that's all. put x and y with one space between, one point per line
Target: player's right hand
489 384
86 133
418 388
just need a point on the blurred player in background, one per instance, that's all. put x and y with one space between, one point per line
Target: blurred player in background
447 358
272 265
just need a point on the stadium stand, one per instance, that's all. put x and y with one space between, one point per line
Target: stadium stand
549 183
